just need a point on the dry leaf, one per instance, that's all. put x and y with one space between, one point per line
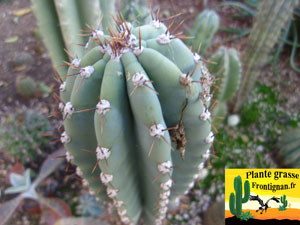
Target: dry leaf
11 39
22 12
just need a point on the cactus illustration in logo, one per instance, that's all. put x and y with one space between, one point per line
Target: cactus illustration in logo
236 200
284 203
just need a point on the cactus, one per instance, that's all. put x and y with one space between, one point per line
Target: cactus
289 148
60 24
136 12
236 201
203 30
25 86
270 20
226 67
284 202
126 103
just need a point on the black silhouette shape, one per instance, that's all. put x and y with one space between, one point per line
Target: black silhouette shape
264 206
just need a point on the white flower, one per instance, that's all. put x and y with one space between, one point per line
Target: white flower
233 120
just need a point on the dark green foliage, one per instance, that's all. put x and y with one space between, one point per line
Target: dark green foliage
246 216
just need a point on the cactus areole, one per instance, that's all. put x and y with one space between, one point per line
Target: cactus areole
133 110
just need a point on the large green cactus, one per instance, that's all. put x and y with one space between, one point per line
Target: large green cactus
129 101
227 69
203 30
289 148
236 201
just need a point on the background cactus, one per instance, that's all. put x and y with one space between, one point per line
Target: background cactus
227 69
136 11
203 30
284 203
269 21
126 103
236 201
26 86
289 148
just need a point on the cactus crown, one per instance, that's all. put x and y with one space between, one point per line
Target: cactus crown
134 96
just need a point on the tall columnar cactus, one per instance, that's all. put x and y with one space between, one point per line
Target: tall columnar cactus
203 30
227 69
284 203
236 201
129 101
271 18
60 24
289 148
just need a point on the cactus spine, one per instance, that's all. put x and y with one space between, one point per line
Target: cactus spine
203 30
236 201
226 67
284 202
270 20
129 100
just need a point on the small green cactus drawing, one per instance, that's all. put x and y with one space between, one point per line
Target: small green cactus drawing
284 203
236 200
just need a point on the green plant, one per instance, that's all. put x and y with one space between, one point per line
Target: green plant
284 202
60 24
123 103
226 68
270 20
203 30
89 206
246 216
21 183
236 201
20 133
25 86
136 11
289 146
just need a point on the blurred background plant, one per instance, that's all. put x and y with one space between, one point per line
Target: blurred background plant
20 132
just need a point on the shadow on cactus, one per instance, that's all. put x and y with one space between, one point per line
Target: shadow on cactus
133 97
